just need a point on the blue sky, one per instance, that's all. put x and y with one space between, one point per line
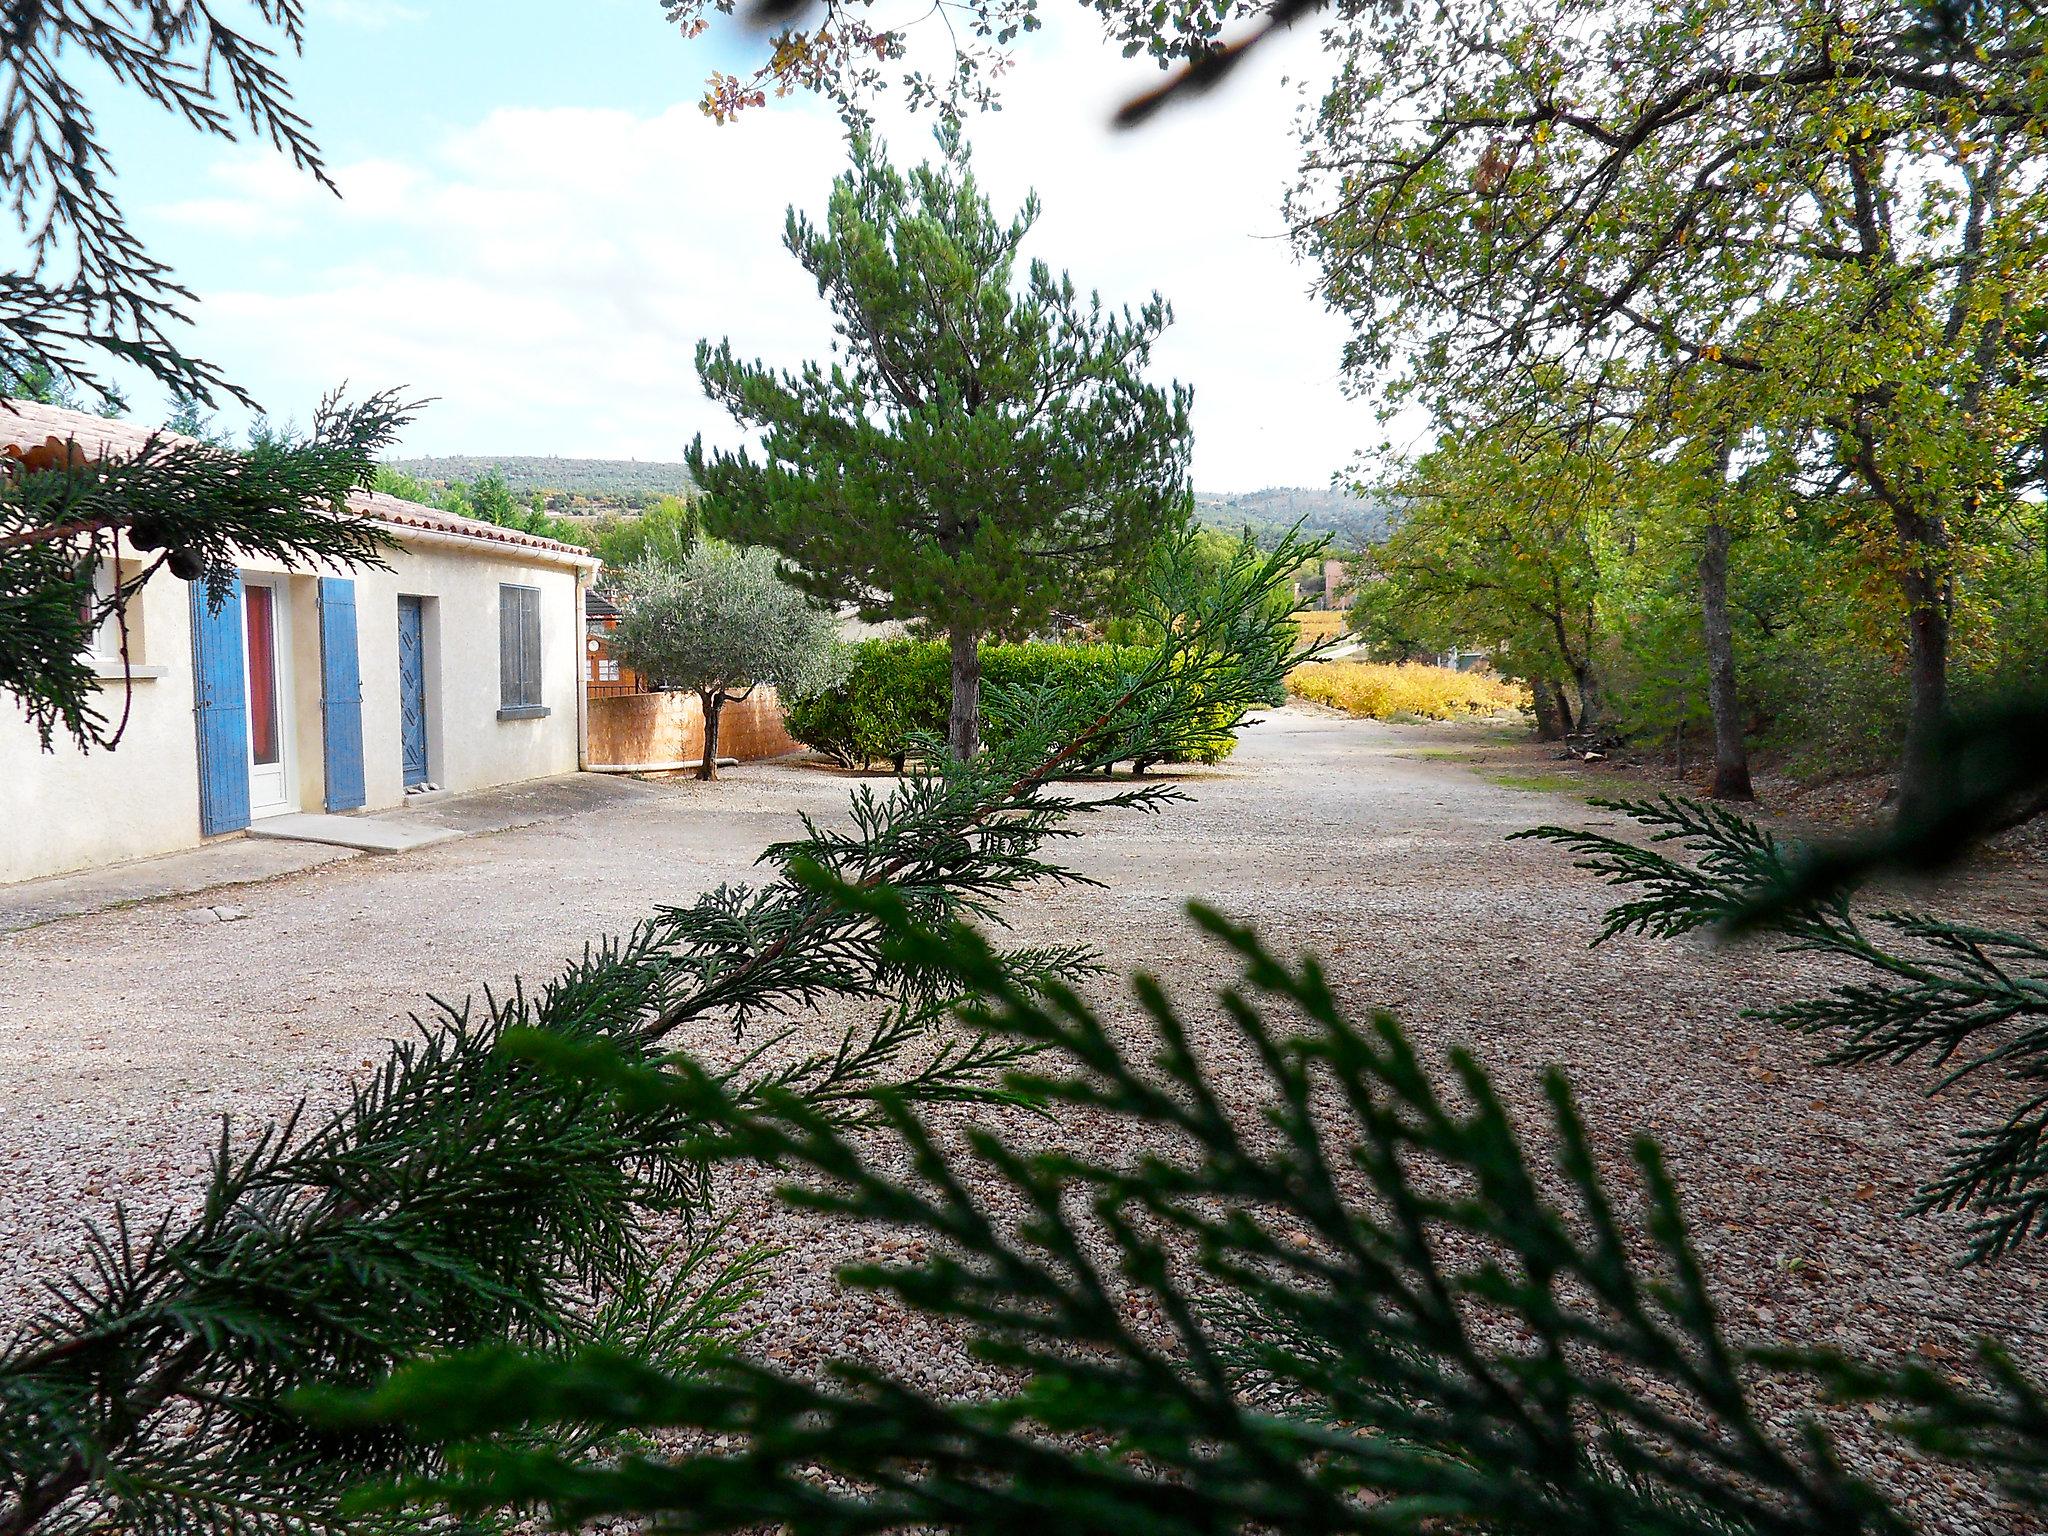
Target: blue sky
538 225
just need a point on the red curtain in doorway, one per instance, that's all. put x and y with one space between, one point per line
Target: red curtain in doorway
258 604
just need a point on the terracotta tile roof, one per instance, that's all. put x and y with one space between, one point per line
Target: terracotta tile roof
410 514
24 424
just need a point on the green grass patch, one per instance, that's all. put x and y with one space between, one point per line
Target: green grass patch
1442 755
1539 783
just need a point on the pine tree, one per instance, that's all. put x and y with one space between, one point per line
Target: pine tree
987 450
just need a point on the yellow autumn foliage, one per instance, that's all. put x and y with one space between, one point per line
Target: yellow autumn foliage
1378 691
1319 624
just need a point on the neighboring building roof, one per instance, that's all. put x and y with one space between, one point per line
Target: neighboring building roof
597 606
24 423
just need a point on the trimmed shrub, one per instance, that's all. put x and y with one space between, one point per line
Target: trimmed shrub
893 702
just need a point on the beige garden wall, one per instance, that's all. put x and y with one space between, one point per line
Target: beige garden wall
662 730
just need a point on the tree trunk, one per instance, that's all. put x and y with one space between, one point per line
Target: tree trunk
1582 674
1592 703
1731 754
1550 724
1923 541
1927 632
963 728
714 706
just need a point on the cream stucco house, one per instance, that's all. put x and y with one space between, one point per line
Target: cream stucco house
311 690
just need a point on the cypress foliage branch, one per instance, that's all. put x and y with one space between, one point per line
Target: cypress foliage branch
1381 1312
465 1196
195 507
1964 999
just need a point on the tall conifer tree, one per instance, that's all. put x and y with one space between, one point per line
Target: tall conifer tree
983 451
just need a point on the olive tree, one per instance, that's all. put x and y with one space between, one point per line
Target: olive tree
721 622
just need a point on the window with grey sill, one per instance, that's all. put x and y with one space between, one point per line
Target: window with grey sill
519 653
104 641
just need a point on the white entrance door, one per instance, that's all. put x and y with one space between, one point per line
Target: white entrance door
266 620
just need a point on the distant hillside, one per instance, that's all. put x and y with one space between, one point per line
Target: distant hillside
586 486
1351 521
572 486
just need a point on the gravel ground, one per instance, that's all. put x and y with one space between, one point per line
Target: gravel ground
121 1032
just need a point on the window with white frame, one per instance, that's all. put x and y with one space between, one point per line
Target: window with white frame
103 637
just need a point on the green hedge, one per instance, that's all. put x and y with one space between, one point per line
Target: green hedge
896 691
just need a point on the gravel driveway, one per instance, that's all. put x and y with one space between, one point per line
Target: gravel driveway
124 1032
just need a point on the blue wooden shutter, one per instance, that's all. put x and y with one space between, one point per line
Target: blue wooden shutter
220 686
341 695
412 691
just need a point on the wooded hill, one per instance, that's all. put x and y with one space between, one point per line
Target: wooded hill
569 484
585 486
1351 521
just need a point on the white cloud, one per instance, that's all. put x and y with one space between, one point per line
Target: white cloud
547 273
260 195
371 15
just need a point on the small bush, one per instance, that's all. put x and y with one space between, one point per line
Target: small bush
896 695
1378 691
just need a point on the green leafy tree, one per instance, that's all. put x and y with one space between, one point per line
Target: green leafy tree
664 532
1702 481
491 499
1789 197
984 451
396 482
1502 550
721 623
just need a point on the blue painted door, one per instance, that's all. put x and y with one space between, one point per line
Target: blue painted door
220 711
412 690
341 695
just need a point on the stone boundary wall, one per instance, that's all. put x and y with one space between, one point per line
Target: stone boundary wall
662 730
